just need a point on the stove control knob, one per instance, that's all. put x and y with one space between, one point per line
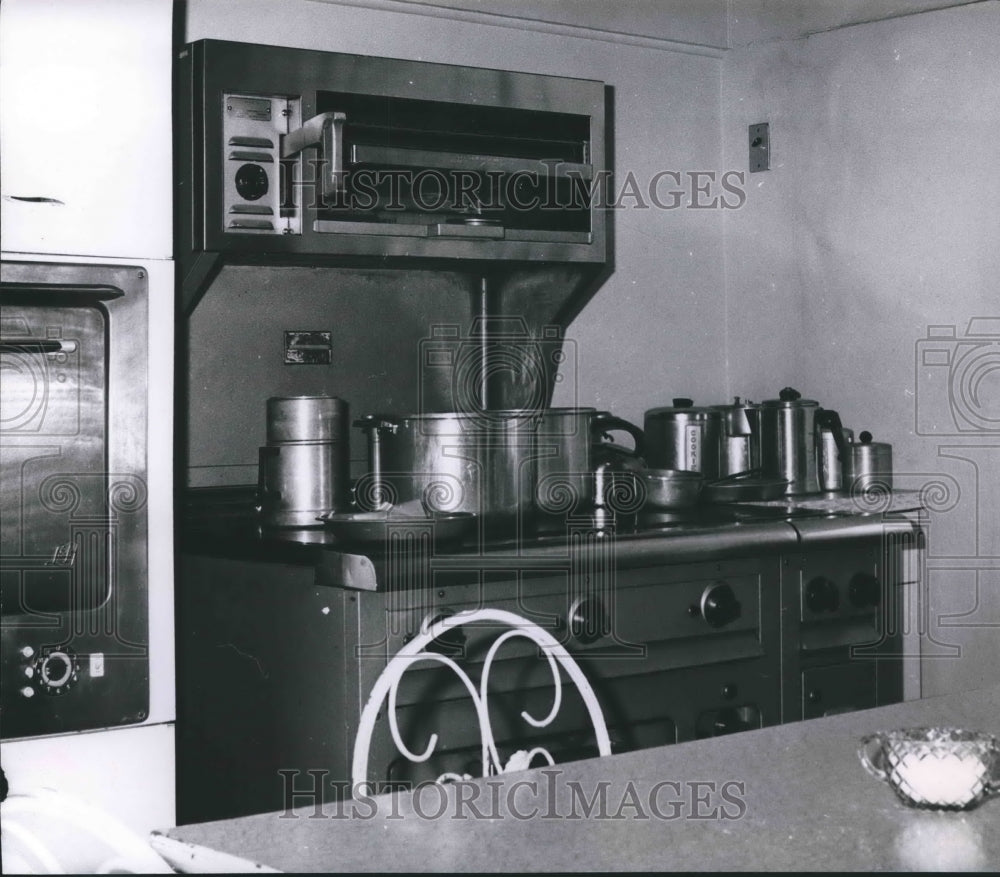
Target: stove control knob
719 605
588 620
822 595
725 721
450 642
864 590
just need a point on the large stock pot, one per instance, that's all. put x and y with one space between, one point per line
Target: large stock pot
482 463
498 464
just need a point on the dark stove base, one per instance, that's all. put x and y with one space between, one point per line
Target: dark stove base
685 628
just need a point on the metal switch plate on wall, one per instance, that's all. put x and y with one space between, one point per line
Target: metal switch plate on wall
308 347
760 147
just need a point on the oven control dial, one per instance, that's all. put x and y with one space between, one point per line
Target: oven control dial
864 590
56 671
719 605
822 595
251 182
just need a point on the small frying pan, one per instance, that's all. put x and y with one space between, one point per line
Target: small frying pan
749 486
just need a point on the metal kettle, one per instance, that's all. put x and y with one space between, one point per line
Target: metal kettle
740 437
789 441
804 444
835 444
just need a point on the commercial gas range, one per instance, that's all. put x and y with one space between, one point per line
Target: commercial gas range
740 617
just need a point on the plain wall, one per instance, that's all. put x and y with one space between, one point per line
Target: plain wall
878 220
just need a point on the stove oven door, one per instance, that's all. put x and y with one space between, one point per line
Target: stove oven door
72 501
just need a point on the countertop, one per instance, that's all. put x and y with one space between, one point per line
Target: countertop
791 797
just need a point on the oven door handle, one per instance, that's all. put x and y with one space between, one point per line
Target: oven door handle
35 199
28 344
326 131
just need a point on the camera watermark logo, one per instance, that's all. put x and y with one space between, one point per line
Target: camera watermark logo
495 370
953 598
958 379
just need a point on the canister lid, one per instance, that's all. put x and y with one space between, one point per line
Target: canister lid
683 409
789 397
306 418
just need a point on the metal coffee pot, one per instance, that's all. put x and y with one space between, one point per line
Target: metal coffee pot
835 443
791 442
739 438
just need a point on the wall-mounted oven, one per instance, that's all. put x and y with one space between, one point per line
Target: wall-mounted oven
86 547
73 497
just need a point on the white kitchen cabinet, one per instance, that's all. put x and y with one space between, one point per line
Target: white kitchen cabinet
85 127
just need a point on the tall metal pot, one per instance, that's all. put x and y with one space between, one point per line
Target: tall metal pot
570 444
482 463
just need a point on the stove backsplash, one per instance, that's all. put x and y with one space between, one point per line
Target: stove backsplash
385 340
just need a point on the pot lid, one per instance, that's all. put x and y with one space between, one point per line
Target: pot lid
789 397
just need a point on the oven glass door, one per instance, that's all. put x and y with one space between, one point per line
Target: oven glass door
53 458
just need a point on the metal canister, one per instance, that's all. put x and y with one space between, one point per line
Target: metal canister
304 469
871 465
682 436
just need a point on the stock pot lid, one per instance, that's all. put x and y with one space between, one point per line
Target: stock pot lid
461 420
492 414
